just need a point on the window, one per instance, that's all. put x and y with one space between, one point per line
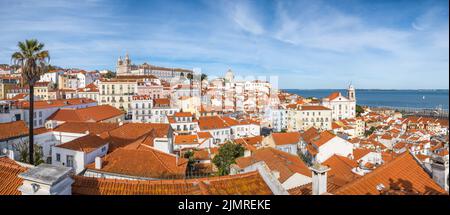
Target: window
103 148
58 157
69 159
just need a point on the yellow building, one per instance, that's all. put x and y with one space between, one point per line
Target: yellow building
117 93
7 83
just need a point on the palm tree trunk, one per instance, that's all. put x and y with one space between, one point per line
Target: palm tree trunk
31 125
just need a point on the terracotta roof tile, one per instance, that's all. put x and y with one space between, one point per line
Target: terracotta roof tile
86 144
323 138
211 122
314 107
55 103
341 168
286 138
9 180
82 127
242 184
90 114
14 129
285 163
144 162
185 139
402 174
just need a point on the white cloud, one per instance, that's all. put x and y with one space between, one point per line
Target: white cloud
246 18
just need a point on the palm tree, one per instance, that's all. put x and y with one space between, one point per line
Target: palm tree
33 61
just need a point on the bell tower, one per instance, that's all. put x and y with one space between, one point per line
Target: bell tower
351 93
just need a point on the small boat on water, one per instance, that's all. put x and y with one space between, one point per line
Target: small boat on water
423 97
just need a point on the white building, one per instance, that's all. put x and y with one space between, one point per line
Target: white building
321 146
44 109
342 107
217 127
79 152
141 108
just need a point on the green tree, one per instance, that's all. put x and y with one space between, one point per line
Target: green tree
190 156
359 110
110 74
228 153
204 76
23 148
190 76
370 131
33 61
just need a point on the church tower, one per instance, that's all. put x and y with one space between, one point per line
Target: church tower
229 76
351 93
123 65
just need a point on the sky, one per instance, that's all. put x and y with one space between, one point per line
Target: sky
307 44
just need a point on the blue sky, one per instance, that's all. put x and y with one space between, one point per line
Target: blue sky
307 44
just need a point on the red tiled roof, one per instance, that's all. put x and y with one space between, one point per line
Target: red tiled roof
55 103
286 138
14 129
360 153
204 135
144 162
9 180
341 168
183 114
241 184
285 163
185 139
334 95
402 174
86 144
89 114
314 107
130 132
211 122
323 138
82 127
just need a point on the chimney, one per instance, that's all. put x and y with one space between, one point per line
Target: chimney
11 154
319 179
46 179
276 174
98 162
8 153
439 171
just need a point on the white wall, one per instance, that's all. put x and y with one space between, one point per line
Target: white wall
296 180
289 148
337 146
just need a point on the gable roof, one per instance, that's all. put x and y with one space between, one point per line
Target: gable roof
82 127
211 122
314 107
185 139
286 138
286 164
10 130
241 184
89 114
55 103
323 138
9 171
341 169
130 132
334 95
143 162
402 174
86 144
